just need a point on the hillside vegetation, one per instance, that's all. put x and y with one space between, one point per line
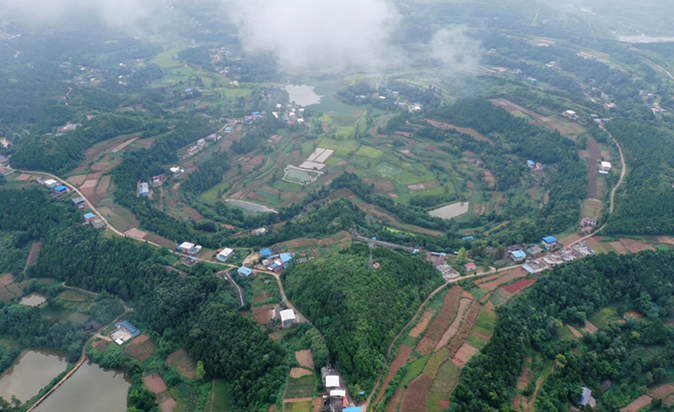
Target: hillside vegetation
360 311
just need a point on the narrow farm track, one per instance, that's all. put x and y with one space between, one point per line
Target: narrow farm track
225 275
83 358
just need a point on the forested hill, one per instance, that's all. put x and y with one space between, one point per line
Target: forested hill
569 295
360 311
645 201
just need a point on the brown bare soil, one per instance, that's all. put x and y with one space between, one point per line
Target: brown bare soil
414 399
635 246
487 279
662 391
463 355
155 383
511 274
77 180
464 330
590 328
34 253
262 314
490 305
123 145
454 327
141 348
181 361
393 403
135 233
24 176
619 248
450 307
194 214
159 240
472 132
7 279
519 285
103 185
637 404
516 402
299 372
145 142
423 322
100 345
570 239
305 358
403 353
167 404
116 162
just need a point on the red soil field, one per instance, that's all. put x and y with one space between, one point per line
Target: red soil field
519 285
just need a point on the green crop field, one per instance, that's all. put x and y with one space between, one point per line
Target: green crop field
341 147
600 319
165 59
299 387
446 378
435 360
386 169
304 406
414 369
477 341
486 320
212 193
218 398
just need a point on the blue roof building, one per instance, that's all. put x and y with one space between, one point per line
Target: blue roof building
518 254
89 216
549 239
244 271
134 331
352 409
528 269
286 257
531 163
78 201
265 252
468 238
415 251
144 189
60 189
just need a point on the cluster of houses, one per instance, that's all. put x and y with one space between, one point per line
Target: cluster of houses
290 113
336 399
535 165
94 220
274 260
251 118
588 223
201 143
58 190
558 257
439 261
598 120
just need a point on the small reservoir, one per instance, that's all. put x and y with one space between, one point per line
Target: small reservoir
34 299
249 206
303 95
32 372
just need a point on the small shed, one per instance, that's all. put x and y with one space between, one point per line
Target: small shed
244 271
288 318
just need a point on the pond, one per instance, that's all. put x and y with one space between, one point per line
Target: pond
450 211
32 372
251 207
303 95
34 299
91 388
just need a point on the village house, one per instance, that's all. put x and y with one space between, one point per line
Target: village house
177 171
470 267
244 271
144 189
189 248
605 168
550 242
3 160
225 254
518 255
259 231
189 261
50 183
125 331
287 318
586 398
79 202
158 179
61 189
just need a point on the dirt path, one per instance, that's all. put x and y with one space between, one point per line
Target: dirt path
660 67
83 358
225 275
529 406
78 289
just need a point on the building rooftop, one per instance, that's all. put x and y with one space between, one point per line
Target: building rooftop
585 397
549 239
60 188
287 314
331 381
265 252
89 216
186 246
286 257
245 271
518 254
